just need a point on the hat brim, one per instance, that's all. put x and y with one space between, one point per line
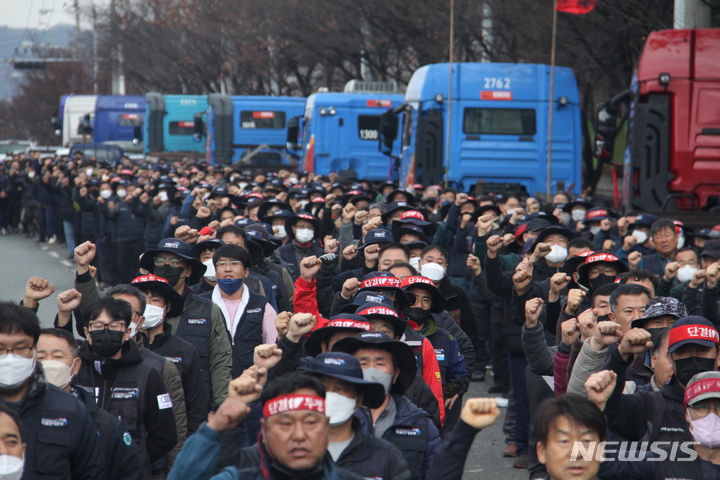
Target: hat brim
582 271
147 262
198 248
400 231
374 242
373 393
638 322
177 305
439 304
402 352
694 341
704 396
312 343
262 211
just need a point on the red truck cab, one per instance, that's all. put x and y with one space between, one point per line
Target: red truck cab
675 143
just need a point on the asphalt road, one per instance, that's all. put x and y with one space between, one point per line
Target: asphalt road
21 258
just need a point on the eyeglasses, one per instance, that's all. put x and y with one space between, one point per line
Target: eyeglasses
100 326
606 270
173 262
136 313
233 264
702 409
17 351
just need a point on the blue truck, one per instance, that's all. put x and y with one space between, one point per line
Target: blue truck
498 127
118 118
170 125
250 129
339 133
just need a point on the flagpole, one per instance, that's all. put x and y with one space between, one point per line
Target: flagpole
450 89
551 103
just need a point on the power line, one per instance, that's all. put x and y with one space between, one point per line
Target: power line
27 24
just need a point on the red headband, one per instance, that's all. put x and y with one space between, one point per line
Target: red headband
378 311
387 282
597 213
291 403
701 386
412 214
349 324
693 332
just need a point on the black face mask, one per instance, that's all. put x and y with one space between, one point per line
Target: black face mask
603 318
171 274
417 315
686 368
282 472
106 343
601 280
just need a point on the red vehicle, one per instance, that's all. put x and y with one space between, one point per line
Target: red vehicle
674 161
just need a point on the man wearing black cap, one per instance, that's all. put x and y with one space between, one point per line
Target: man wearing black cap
302 229
702 296
397 420
163 301
279 277
127 214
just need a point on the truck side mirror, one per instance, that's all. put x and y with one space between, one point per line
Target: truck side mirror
605 131
388 130
55 121
137 134
293 130
198 127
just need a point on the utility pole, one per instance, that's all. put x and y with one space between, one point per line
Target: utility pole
96 65
78 32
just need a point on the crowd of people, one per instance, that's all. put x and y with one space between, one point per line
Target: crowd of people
234 324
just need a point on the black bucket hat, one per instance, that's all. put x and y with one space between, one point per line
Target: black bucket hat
344 322
200 247
418 281
553 230
153 282
290 221
284 214
404 357
258 235
176 247
268 204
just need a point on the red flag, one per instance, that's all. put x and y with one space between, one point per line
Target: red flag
576 6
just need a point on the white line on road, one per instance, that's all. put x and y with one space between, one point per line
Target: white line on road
54 254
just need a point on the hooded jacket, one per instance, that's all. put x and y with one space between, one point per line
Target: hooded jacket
62 442
142 404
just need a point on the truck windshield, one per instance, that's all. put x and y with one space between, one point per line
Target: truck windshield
181 128
251 119
130 120
368 126
499 121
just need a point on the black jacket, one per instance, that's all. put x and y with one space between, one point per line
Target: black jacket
128 216
146 412
185 357
122 455
61 439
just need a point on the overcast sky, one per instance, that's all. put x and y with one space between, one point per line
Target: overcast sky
19 13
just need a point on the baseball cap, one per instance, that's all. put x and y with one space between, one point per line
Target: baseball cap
693 329
702 386
711 248
660 307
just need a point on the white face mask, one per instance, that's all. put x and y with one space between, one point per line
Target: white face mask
122 193
14 370
154 316
415 262
210 272
339 408
105 178
58 373
304 235
242 185
132 329
681 242
578 215
640 236
163 196
433 271
510 211
706 430
303 203
557 254
280 232
594 230
565 218
106 194
11 467
89 172
685 273
31 174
